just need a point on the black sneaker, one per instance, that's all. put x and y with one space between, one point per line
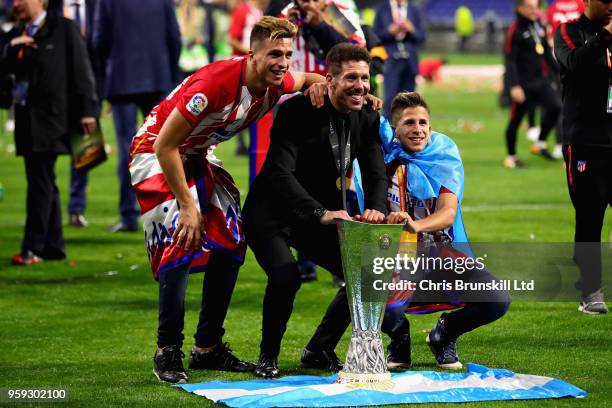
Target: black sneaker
593 303
323 360
546 154
267 367
398 352
220 358
168 365
443 348
307 269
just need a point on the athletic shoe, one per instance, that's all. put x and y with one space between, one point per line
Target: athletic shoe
593 303
78 220
539 149
398 352
168 365
122 227
443 348
26 258
533 134
557 153
267 367
323 360
9 126
219 358
511 163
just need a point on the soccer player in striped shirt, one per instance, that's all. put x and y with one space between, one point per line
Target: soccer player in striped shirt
190 205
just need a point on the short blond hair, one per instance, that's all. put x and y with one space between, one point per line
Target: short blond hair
272 28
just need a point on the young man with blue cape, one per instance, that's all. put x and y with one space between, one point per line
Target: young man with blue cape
425 192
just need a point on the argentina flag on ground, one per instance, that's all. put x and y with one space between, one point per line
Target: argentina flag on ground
479 383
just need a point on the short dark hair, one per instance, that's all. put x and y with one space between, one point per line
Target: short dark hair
405 100
345 52
272 28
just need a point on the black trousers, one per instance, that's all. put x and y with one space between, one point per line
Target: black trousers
541 94
272 251
217 288
589 180
43 230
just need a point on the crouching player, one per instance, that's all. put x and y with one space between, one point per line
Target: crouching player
425 189
190 204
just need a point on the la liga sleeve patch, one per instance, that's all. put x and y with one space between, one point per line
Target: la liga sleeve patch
197 104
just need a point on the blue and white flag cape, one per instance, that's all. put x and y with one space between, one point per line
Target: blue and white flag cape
478 384
438 165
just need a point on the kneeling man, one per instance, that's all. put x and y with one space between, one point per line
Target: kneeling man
425 189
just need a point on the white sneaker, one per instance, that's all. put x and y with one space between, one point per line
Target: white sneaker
533 134
557 153
9 126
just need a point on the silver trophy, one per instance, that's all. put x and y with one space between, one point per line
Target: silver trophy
360 244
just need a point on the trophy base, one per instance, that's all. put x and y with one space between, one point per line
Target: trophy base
376 381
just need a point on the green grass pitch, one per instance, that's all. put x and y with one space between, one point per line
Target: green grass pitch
88 324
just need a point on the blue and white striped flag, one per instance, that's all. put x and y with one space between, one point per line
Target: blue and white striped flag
479 383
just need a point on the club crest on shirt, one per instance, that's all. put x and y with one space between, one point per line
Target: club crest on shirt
581 166
197 104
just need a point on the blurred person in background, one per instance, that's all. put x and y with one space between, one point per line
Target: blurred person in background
141 66
398 25
54 94
529 64
431 69
82 13
191 19
582 48
244 16
464 26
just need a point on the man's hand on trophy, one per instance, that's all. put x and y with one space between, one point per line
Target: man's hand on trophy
371 217
330 216
402 217
317 92
189 228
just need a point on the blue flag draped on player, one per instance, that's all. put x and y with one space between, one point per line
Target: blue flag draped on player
478 384
438 165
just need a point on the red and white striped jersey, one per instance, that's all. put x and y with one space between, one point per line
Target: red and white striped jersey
216 102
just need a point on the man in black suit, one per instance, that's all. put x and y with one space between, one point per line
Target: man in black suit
54 93
139 43
298 194
82 13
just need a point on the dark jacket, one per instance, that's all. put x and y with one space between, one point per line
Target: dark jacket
383 20
580 47
140 43
61 87
524 65
299 174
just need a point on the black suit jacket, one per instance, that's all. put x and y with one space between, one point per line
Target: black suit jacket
61 85
299 174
